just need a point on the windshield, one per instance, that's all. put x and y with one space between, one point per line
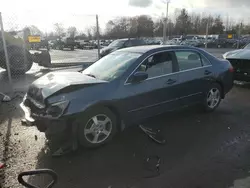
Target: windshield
111 66
117 43
247 46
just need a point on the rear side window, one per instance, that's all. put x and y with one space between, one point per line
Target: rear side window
188 60
205 61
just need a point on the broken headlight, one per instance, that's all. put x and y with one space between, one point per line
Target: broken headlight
57 109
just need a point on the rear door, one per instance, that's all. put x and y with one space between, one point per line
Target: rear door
156 94
194 76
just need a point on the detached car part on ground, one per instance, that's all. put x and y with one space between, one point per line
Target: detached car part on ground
124 88
20 58
240 60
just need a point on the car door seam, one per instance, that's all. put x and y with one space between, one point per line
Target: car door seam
152 105
156 104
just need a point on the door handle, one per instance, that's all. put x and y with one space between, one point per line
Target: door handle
170 81
207 72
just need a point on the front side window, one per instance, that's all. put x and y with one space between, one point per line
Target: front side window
158 64
188 60
112 66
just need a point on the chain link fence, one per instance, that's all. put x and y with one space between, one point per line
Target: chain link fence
30 48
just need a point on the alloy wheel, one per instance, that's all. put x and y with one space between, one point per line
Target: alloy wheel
213 98
98 129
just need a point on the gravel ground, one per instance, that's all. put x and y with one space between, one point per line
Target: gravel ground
201 151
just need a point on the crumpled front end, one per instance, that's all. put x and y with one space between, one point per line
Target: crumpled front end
47 118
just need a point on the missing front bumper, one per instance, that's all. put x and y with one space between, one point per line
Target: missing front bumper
43 124
27 114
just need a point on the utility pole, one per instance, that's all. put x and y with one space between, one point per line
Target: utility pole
206 34
98 36
227 23
239 33
165 23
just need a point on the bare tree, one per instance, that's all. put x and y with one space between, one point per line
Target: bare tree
59 29
72 31
182 23
34 30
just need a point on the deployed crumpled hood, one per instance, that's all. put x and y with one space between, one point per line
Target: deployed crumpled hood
238 54
55 81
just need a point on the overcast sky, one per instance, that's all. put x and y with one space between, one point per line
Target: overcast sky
81 13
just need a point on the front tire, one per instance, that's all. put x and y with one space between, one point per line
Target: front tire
97 127
212 98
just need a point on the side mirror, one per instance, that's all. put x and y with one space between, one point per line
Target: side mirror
138 77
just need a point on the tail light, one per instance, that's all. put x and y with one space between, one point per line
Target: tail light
1 165
231 69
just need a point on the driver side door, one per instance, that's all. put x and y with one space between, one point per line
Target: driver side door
155 95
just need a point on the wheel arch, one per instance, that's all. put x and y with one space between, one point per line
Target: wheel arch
111 107
117 113
222 88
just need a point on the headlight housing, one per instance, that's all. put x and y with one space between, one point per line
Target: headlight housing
57 109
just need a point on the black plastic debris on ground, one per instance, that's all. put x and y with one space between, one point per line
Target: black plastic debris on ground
152 161
152 165
155 135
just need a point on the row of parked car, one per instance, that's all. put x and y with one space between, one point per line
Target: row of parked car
211 42
194 41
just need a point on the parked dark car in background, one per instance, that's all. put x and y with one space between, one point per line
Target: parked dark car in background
121 43
125 87
240 60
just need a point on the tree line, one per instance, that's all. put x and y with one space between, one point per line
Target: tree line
182 23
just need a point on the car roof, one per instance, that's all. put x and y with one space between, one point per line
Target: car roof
153 48
128 39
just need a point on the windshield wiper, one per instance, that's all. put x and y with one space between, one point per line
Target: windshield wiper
91 75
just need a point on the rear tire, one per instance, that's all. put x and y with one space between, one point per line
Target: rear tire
212 98
97 127
20 61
